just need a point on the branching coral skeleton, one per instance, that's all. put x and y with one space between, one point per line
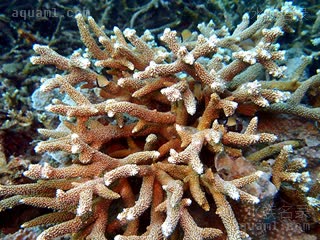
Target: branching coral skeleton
166 102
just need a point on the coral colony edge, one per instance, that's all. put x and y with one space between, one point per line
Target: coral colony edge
150 126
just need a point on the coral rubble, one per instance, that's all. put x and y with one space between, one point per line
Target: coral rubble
152 132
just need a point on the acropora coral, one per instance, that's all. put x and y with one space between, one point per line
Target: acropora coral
151 128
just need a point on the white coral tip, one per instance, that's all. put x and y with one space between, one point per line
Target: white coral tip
234 195
128 32
259 173
74 136
255 200
107 182
75 149
38 147
178 127
288 148
33 60
188 201
166 229
78 15
111 113
156 154
198 169
130 217
171 160
36 47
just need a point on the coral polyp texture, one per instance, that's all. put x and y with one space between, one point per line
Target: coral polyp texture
150 126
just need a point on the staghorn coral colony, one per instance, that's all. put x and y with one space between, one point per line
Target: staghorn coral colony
152 130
